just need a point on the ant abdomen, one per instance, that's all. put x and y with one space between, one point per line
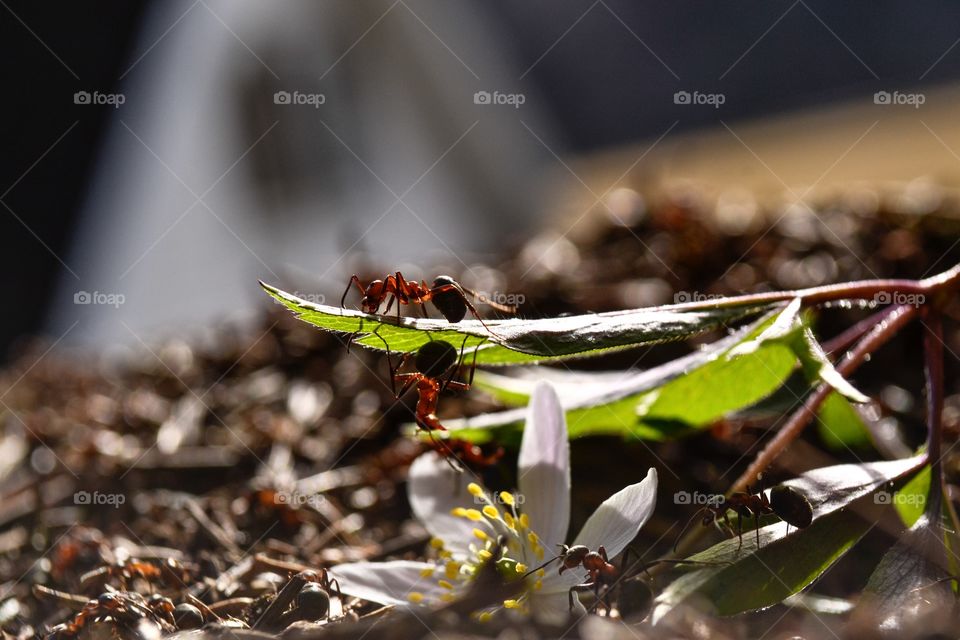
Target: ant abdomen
435 358
449 300
791 506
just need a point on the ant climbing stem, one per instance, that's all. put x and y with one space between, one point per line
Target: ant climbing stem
446 294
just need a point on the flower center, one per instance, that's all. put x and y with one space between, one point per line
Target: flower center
506 529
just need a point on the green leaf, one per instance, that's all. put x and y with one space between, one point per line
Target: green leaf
690 392
840 425
911 499
518 341
818 367
751 576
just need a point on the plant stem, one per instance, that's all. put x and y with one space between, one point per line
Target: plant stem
933 370
877 337
795 425
858 290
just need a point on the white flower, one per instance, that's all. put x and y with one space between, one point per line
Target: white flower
466 522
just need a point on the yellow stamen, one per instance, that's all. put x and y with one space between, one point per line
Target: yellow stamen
475 489
452 570
524 521
538 585
541 573
415 597
484 555
509 520
479 533
532 539
484 616
460 512
491 512
473 514
521 568
447 597
507 498
511 604
436 543
445 584
426 573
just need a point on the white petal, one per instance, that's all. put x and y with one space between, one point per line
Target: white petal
434 490
618 520
387 582
544 467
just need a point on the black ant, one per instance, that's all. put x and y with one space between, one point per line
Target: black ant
446 294
787 503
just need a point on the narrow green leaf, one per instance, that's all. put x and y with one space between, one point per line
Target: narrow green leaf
686 393
911 500
518 341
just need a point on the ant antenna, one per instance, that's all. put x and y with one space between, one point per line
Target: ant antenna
687 526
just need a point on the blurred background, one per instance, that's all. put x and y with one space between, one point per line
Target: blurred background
160 157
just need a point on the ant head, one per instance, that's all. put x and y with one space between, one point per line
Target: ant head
450 302
372 296
573 556
435 358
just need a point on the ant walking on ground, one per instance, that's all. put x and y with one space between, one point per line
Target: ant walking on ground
446 294
787 503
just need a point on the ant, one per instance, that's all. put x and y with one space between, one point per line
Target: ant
170 571
432 361
125 608
446 294
601 574
467 452
787 503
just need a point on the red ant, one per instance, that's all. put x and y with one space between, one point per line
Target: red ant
601 573
432 361
788 504
467 452
446 294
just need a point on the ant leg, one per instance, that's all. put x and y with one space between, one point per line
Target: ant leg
473 309
393 372
353 336
756 517
353 280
